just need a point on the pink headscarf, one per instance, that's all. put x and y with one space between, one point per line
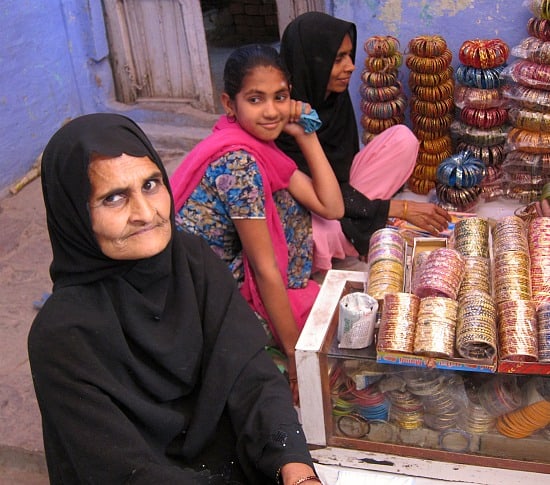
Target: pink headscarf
275 169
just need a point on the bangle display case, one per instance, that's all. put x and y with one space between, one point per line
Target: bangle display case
415 415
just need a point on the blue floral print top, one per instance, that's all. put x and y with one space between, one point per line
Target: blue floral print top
232 188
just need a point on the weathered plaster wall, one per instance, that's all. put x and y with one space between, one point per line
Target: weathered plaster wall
53 67
455 20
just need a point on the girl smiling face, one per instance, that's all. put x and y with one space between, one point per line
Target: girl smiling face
262 106
129 207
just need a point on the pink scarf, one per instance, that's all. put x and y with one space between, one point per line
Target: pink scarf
275 169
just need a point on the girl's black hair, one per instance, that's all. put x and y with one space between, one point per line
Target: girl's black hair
245 58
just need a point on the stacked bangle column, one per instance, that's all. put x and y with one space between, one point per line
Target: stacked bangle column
383 102
526 167
482 116
432 85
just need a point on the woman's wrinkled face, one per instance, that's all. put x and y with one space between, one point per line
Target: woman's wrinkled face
129 207
342 68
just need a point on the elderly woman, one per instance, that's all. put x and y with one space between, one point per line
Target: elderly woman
148 365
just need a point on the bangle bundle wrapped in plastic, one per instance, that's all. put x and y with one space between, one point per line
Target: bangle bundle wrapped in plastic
529 120
475 136
528 73
465 97
525 97
533 49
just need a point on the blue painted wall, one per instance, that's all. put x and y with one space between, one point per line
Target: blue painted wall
54 58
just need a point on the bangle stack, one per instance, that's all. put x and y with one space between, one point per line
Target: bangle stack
432 85
383 103
482 124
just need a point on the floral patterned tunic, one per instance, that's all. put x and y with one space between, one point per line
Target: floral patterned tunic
232 188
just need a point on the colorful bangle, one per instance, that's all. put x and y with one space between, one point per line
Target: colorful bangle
381 46
428 45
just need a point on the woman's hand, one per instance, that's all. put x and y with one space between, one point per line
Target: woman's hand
426 216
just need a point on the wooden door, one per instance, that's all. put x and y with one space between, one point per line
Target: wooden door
158 52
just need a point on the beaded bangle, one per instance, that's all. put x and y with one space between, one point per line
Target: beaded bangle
465 97
442 144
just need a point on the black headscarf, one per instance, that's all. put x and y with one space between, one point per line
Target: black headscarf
136 364
308 48
77 258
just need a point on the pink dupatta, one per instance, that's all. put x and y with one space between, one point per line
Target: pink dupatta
276 169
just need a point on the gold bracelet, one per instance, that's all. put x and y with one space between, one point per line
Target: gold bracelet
405 205
305 479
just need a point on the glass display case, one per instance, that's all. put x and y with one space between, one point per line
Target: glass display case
416 416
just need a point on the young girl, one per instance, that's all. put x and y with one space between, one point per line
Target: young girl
248 200
319 51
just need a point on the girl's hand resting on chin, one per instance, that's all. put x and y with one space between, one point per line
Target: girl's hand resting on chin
293 128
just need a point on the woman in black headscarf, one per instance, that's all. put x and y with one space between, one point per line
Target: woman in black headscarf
148 365
319 51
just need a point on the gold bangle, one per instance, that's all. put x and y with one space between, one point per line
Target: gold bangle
405 206
305 479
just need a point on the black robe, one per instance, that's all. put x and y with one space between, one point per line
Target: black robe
148 370
308 48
